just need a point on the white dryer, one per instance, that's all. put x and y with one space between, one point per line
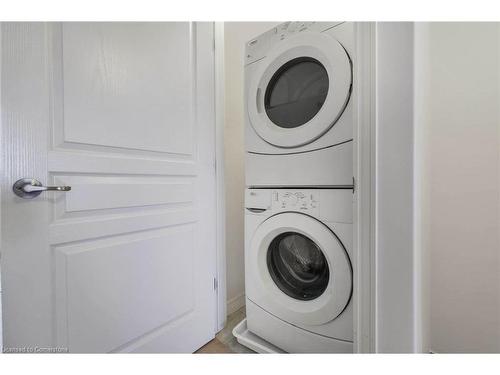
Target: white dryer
298 272
299 105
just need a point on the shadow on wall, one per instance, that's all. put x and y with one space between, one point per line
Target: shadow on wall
236 34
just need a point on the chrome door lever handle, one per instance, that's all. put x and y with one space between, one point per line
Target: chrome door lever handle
29 188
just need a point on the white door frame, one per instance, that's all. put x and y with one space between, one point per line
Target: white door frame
387 285
1 151
219 175
397 275
364 204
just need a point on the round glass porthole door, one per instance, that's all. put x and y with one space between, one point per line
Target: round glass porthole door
296 92
297 266
299 90
299 269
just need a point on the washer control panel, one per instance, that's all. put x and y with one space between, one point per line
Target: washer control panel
329 205
296 200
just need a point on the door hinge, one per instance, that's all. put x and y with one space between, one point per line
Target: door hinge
216 284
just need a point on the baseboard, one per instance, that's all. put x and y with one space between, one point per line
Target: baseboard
235 303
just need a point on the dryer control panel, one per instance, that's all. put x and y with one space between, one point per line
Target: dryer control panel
257 48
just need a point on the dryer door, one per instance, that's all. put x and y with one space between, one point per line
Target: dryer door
301 89
299 270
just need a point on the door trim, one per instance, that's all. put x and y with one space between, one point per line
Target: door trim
221 302
1 318
364 199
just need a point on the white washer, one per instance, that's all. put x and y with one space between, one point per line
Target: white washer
298 272
299 105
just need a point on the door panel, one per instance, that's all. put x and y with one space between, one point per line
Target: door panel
99 193
124 114
122 79
149 269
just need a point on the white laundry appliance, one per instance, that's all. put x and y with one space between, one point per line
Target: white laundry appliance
298 272
300 105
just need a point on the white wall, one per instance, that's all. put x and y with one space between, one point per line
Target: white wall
236 35
458 187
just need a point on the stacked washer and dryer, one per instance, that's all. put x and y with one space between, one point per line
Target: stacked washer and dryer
300 111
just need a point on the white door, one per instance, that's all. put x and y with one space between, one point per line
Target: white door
123 113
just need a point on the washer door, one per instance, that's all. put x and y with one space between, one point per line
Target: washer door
300 91
300 270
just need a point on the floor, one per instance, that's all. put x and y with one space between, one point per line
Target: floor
224 341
